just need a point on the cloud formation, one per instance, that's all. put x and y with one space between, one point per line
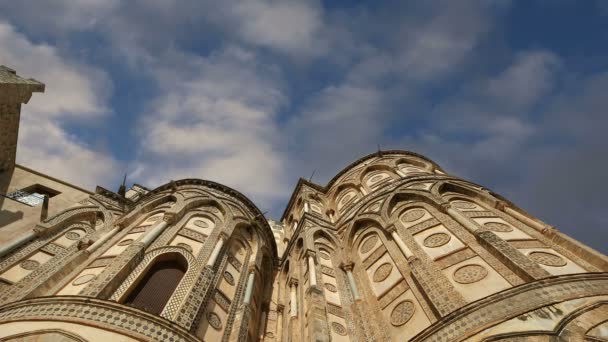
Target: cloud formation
256 93
74 91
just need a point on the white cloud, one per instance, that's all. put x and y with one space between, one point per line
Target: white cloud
290 26
73 92
215 119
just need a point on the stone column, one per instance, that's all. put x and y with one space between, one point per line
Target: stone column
279 328
105 237
242 324
399 241
293 286
312 269
364 323
509 255
262 325
216 250
13 245
348 268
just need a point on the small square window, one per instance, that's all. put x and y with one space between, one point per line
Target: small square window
33 195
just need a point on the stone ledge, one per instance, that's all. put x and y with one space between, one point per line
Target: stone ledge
512 302
102 314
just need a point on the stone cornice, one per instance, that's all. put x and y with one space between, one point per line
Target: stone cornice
325 188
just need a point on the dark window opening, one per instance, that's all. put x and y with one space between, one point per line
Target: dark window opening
33 195
154 290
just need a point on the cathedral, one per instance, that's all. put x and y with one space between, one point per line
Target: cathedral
393 248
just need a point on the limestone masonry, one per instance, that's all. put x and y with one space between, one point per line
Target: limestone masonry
393 248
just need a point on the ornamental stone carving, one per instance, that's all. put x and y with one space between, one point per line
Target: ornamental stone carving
498 227
29 265
469 274
412 215
324 255
402 313
72 235
368 244
330 287
547 259
125 242
382 272
229 278
463 205
201 224
214 320
436 240
83 279
338 328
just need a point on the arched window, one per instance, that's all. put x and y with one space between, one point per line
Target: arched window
158 284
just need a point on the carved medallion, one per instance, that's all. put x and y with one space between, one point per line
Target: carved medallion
83 279
463 205
229 278
547 259
330 287
214 320
338 328
201 224
498 227
29 265
185 246
375 179
125 242
324 255
436 240
412 215
382 272
72 235
470 274
368 244
402 313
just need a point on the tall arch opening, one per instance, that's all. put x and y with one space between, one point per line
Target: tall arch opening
158 284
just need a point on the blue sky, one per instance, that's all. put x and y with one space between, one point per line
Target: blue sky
256 93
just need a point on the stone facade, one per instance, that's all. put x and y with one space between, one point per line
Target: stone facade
392 249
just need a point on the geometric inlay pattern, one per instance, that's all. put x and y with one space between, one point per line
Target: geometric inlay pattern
402 313
369 244
498 227
547 259
413 215
338 328
436 240
470 274
214 320
29 265
382 272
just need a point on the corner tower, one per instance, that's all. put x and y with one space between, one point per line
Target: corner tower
394 249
